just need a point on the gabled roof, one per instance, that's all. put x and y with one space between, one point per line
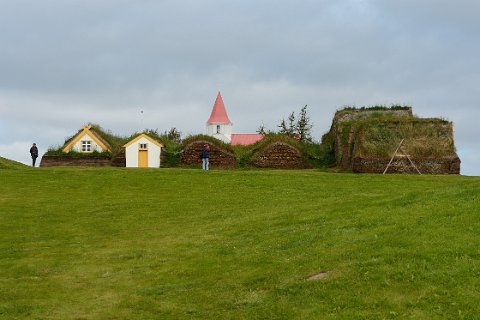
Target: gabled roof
245 138
219 113
95 136
143 135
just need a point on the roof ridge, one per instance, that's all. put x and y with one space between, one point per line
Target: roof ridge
100 137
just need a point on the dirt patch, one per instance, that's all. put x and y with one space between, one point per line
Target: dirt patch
318 276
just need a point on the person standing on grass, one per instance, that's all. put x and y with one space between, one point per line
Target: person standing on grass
204 155
34 154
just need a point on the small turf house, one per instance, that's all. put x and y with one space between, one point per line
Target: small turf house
87 140
219 126
143 152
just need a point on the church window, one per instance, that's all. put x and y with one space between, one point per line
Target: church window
218 128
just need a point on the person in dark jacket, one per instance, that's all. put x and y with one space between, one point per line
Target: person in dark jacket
204 155
34 154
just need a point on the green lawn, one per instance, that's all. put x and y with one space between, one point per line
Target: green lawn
186 244
10 164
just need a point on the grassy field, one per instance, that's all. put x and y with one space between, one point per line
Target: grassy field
10 164
187 244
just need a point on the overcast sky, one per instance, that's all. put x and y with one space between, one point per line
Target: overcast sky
64 63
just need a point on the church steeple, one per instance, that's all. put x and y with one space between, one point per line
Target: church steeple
219 113
219 125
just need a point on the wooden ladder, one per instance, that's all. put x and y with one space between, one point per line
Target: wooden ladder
403 154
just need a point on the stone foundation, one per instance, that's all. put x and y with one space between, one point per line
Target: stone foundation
78 161
440 165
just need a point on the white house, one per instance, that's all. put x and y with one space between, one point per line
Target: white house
143 152
87 141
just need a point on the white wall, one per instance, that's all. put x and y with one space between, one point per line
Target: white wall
225 131
78 146
131 154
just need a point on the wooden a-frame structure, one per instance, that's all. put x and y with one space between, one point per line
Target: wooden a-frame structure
403 154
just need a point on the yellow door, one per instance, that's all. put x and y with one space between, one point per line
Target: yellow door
143 158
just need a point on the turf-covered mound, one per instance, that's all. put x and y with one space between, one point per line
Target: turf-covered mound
11 164
277 151
221 155
371 139
279 154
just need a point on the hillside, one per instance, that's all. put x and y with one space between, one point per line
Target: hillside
110 243
10 164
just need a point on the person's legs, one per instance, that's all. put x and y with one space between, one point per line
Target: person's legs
206 166
204 163
33 161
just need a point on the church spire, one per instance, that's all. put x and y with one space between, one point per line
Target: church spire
219 113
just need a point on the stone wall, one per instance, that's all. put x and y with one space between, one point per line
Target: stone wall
438 165
82 161
218 157
279 155
119 160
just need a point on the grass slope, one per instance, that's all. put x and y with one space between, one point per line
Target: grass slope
11 164
185 244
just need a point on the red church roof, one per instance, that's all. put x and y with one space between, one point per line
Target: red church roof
219 113
245 138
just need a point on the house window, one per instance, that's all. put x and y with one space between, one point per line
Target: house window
218 128
142 146
86 146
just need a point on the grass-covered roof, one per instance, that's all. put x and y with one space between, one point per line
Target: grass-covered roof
377 131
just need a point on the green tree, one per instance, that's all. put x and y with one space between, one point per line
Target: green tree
291 124
283 127
288 129
173 135
261 129
303 126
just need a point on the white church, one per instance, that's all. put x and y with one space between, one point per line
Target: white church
220 126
